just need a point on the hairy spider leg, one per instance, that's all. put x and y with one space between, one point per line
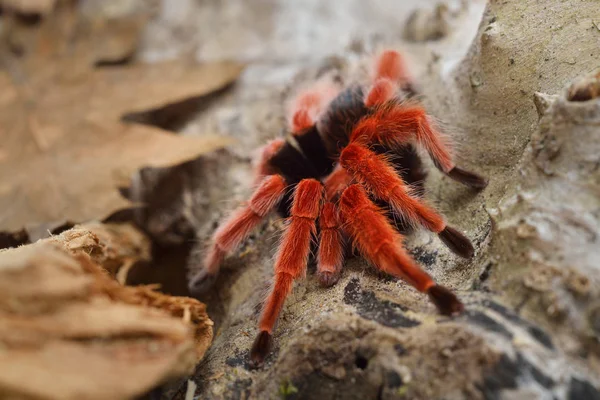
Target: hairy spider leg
390 64
308 104
331 252
394 124
262 167
237 227
388 75
291 261
378 176
336 182
382 91
381 244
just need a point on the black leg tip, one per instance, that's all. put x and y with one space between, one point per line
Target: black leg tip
260 349
202 282
468 178
446 302
328 279
457 242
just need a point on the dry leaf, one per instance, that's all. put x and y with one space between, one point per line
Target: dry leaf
69 331
64 147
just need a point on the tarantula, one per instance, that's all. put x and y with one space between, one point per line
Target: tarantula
349 159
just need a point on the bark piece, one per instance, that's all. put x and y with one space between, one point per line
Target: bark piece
70 331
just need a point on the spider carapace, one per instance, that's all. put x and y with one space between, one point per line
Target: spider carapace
349 170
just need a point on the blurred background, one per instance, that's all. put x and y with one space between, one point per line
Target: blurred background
151 112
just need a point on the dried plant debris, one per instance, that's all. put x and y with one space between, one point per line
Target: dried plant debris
123 245
70 331
65 147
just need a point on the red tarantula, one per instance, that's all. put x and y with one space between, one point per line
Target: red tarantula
348 161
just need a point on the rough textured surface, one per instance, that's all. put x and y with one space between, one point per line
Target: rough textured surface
531 328
547 241
70 331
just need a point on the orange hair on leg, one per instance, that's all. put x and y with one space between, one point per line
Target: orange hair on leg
291 260
438 146
435 142
390 65
308 104
389 73
336 182
331 253
397 124
382 91
376 239
393 125
377 175
261 164
238 226
379 242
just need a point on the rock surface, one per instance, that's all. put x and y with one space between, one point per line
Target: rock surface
532 327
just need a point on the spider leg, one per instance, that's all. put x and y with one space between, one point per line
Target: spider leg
390 124
382 91
378 176
336 182
291 260
262 167
237 227
331 254
437 145
389 64
379 242
308 104
389 74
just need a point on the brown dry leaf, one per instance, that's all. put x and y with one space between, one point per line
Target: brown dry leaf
69 331
64 147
